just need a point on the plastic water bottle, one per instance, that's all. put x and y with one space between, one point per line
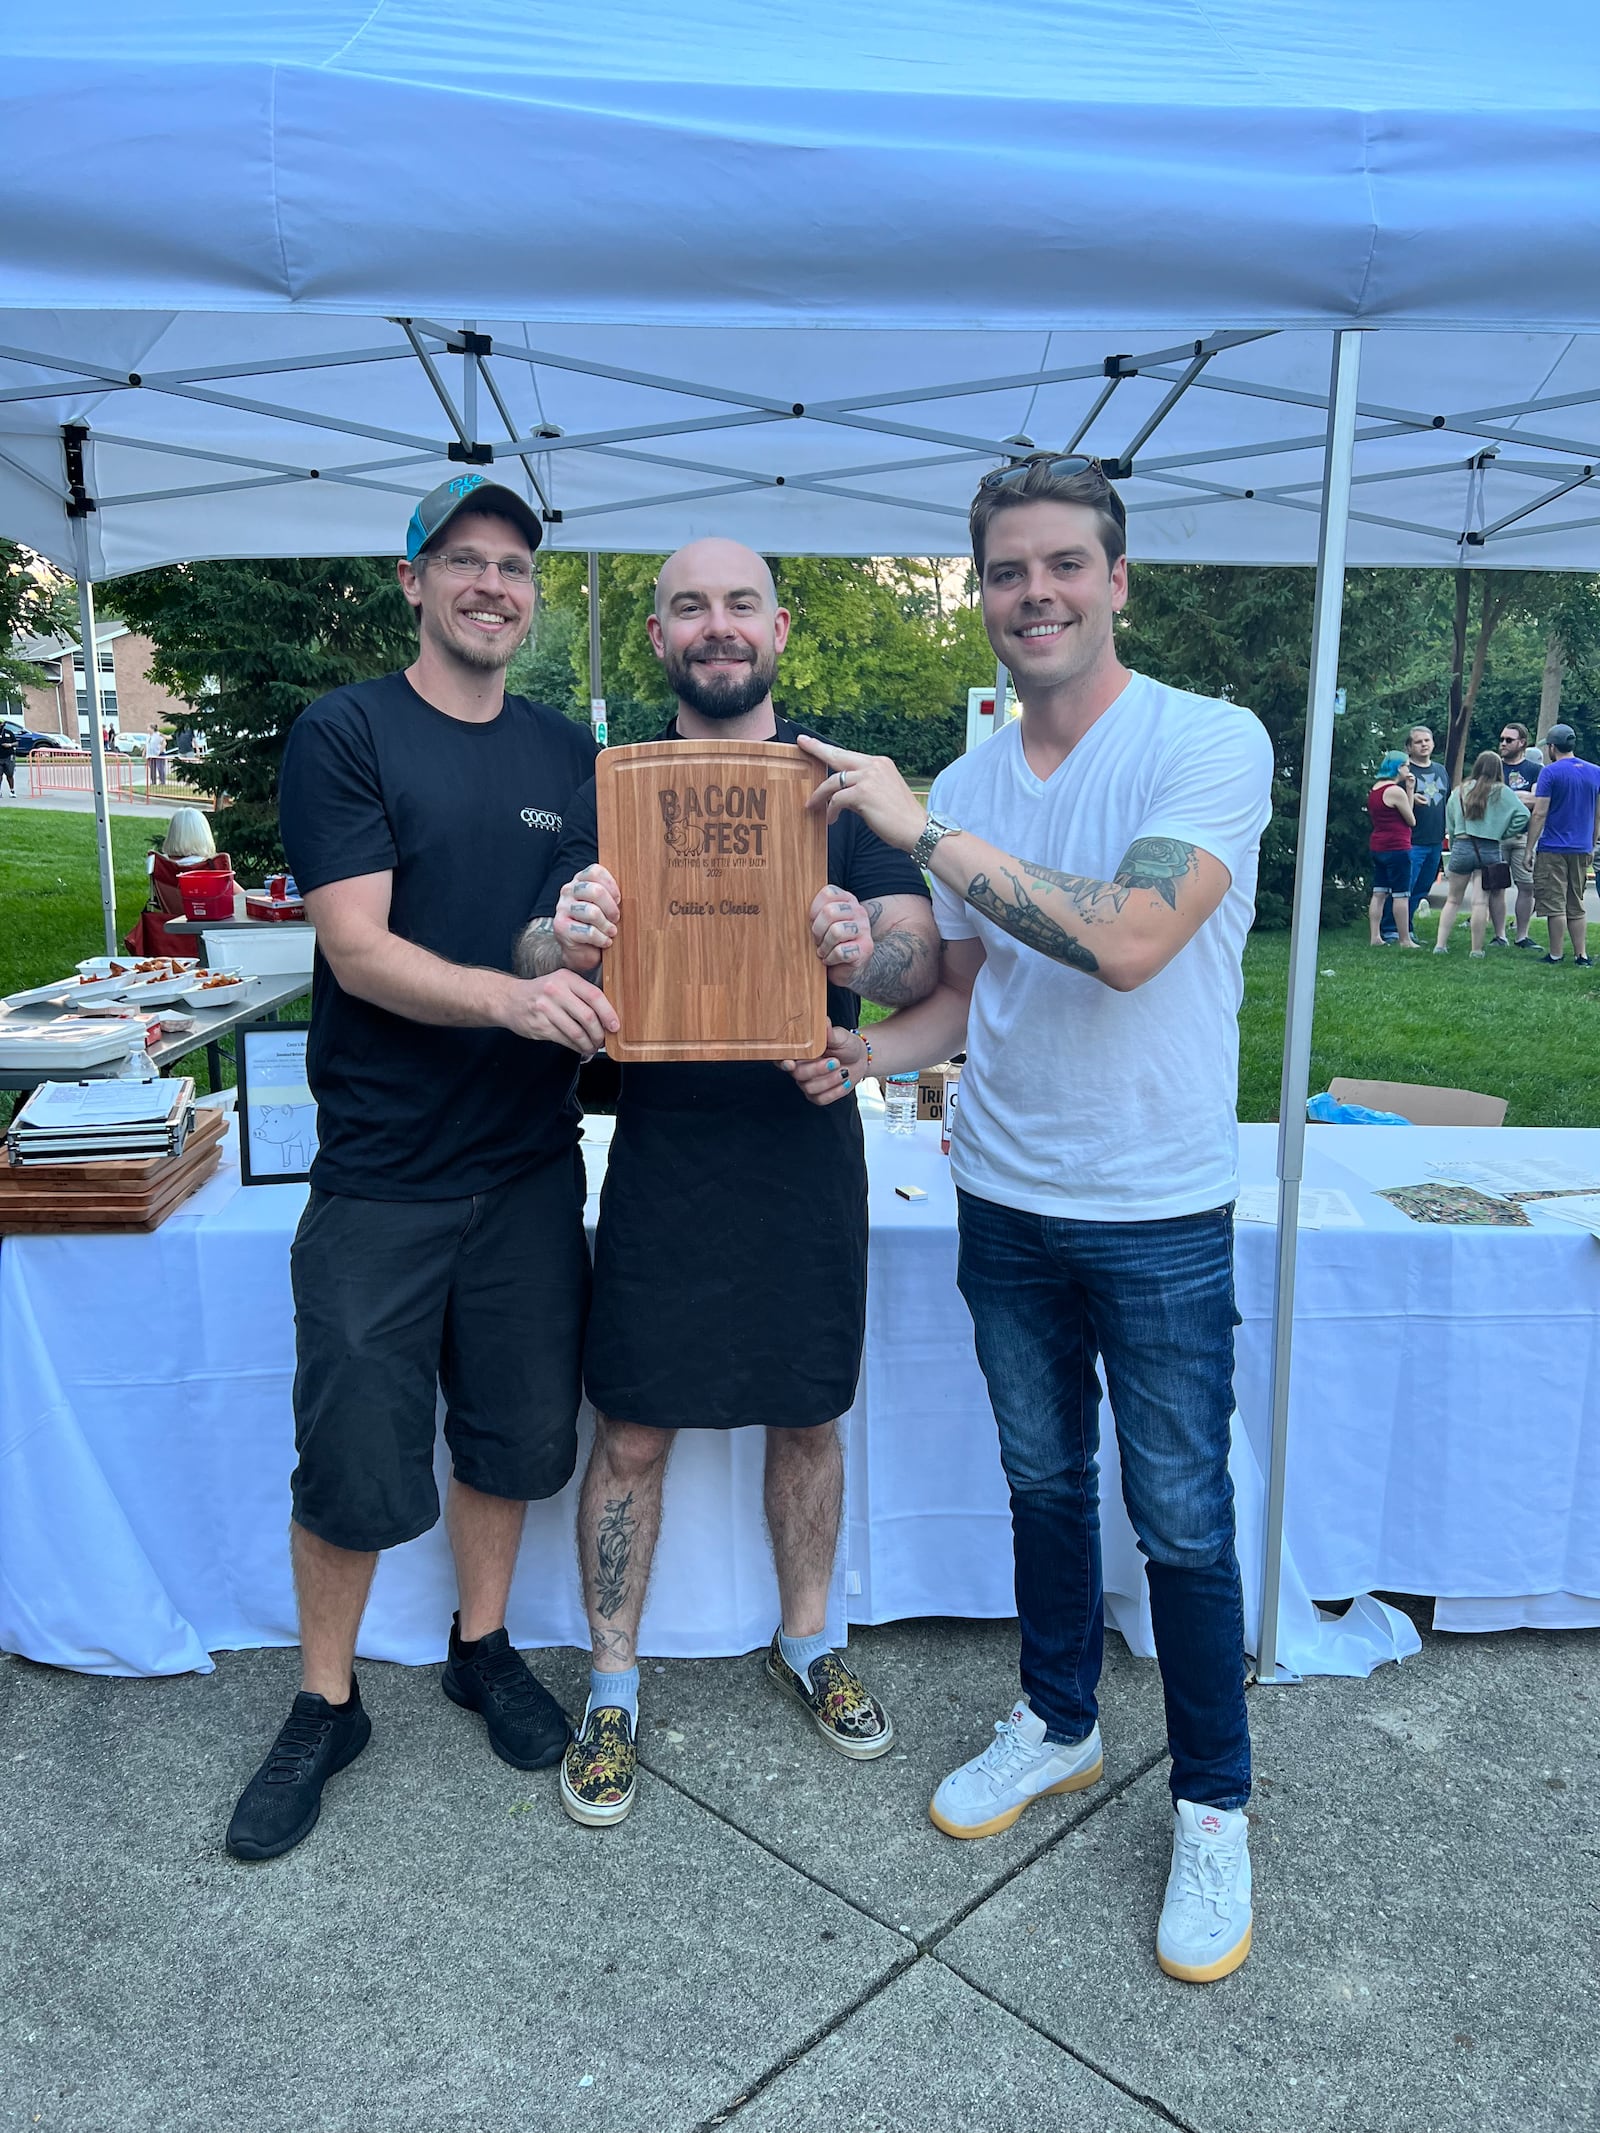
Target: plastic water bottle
900 1103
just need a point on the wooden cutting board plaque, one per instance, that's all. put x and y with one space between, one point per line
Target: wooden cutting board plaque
718 860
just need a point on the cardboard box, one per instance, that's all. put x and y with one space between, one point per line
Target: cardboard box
931 1085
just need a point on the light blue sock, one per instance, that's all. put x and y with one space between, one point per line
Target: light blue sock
799 1652
618 1692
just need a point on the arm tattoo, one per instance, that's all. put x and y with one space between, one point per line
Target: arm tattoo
538 952
1158 864
613 1545
1154 864
898 972
1029 924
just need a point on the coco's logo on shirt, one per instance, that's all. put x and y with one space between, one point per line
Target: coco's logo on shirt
720 821
540 818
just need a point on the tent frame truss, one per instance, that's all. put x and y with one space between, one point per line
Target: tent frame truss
1186 368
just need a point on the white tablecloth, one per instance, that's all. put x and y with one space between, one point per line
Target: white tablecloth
1444 1438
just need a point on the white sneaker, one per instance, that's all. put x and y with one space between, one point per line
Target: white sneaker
1205 1919
988 1794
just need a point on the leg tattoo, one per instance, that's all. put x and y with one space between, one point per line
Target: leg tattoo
613 1544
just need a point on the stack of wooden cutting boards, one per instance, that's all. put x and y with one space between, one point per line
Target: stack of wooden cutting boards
109 1196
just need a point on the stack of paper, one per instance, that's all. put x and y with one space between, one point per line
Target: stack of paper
67 1043
102 1121
1321 1207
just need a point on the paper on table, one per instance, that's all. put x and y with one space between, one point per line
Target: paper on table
1507 1175
100 1103
1321 1207
1580 1209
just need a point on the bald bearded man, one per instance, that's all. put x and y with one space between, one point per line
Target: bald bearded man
733 1224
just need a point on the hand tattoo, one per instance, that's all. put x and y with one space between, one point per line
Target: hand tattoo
613 1545
538 952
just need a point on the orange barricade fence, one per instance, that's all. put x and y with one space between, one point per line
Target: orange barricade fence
127 777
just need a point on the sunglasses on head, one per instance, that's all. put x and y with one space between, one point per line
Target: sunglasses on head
1062 463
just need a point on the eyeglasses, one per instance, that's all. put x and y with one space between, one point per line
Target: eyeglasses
1511 740
463 563
1064 463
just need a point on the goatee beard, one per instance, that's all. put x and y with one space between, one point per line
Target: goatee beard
722 696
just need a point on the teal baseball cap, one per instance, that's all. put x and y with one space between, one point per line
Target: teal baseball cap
474 492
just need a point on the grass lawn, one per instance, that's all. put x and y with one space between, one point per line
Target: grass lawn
1507 1026
50 889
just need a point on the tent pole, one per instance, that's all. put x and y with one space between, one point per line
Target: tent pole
595 688
97 749
1328 608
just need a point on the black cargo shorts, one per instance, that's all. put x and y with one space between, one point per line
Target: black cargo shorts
484 1298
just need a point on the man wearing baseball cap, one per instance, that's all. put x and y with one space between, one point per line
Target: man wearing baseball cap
1562 834
442 1246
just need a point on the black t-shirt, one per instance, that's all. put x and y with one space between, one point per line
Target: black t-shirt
1523 776
1433 790
858 860
467 819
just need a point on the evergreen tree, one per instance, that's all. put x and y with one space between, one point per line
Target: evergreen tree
248 645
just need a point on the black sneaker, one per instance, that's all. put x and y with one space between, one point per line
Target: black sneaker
1525 942
1550 959
527 1727
281 1803
1583 962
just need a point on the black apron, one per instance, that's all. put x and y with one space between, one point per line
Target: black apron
731 1254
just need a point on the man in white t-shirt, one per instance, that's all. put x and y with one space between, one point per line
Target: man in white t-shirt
1094 873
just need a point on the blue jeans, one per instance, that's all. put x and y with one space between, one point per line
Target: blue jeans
1425 860
1155 1301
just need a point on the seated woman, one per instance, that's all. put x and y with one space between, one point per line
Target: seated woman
188 838
188 843
1389 804
1481 811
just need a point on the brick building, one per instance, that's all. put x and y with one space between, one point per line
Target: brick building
130 701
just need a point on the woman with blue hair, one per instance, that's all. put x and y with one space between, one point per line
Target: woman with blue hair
1389 804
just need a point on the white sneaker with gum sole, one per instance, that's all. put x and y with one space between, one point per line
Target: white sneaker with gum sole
1019 1766
1205 1924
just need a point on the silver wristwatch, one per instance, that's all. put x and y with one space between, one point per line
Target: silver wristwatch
922 850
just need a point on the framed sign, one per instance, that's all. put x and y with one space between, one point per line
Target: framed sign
718 859
277 1111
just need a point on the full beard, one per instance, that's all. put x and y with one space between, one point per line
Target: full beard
722 696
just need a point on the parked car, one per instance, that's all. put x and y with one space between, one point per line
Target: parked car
28 740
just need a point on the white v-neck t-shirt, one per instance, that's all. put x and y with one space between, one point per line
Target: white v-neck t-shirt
1075 1100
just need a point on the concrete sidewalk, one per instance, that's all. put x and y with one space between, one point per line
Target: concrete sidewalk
779 1940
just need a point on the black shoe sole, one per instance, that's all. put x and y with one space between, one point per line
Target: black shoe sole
517 1762
254 1853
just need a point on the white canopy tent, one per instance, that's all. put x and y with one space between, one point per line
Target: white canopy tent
799 275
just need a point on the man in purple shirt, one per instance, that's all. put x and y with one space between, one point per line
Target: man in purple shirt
1561 842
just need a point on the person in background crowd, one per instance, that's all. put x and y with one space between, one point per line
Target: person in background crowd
1482 814
188 837
1094 868
1390 810
442 1247
1561 841
778 1295
8 757
155 756
1427 833
1521 765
